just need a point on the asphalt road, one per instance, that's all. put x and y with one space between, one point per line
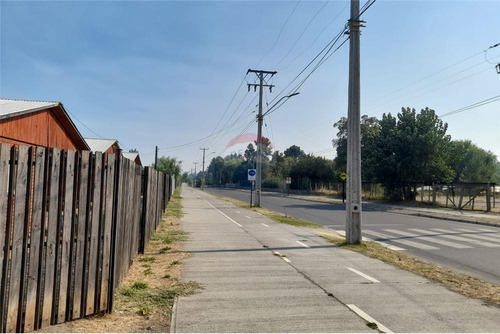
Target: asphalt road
468 248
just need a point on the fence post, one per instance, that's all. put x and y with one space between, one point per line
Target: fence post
488 197
111 289
434 194
144 209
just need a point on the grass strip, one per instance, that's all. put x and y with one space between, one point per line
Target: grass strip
276 216
464 284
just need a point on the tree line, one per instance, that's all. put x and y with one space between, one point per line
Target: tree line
398 152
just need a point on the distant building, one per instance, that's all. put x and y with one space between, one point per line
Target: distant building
103 145
38 123
134 156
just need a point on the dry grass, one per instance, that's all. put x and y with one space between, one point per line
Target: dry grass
144 300
276 216
466 285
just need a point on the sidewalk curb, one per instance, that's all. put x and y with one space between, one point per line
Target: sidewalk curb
173 317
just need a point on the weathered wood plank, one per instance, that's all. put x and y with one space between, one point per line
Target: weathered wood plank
36 240
17 239
51 238
66 226
106 239
80 235
94 238
5 155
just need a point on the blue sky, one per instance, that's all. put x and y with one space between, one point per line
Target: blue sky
162 73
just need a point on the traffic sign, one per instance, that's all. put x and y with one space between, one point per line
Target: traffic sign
251 174
288 180
343 176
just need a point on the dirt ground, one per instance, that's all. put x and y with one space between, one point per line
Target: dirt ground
144 300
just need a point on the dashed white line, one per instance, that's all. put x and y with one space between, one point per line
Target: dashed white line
222 213
364 275
264 224
284 258
365 316
237 211
248 217
302 244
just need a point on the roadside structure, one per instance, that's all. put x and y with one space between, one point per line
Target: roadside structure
38 123
103 145
134 156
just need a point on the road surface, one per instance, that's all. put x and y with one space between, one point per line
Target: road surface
468 248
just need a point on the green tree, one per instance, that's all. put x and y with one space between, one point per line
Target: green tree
170 165
294 151
250 153
370 129
412 148
471 163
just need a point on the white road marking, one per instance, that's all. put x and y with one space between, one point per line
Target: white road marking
237 211
396 248
365 316
264 224
429 239
458 238
248 217
401 241
364 275
302 244
488 237
282 256
222 213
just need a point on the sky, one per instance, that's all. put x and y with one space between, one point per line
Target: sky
163 73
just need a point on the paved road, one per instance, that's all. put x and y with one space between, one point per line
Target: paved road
468 248
262 276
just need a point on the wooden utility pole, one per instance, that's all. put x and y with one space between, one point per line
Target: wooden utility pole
156 157
195 163
353 206
261 75
203 168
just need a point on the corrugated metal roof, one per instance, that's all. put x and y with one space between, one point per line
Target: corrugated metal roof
13 107
130 155
99 145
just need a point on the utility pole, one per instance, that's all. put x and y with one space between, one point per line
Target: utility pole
353 205
203 164
261 75
195 163
156 157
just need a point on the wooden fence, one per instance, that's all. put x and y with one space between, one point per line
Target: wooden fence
70 225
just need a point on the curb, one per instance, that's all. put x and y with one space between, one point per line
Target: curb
173 318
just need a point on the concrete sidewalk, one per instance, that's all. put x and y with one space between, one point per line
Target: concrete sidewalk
312 287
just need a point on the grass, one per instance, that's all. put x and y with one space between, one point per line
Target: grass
147 259
276 216
148 271
149 300
468 286
164 250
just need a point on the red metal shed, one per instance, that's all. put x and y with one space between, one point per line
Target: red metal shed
39 123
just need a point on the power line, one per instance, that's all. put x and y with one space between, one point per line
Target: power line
302 33
472 106
279 34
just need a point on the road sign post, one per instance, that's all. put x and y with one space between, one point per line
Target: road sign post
289 183
343 176
251 177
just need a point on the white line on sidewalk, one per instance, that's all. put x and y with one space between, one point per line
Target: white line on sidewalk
302 244
264 224
281 256
365 316
364 275
237 211
248 217
222 213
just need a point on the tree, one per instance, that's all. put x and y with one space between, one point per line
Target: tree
370 129
169 165
250 153
471 163
412 148
294 151
133 150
